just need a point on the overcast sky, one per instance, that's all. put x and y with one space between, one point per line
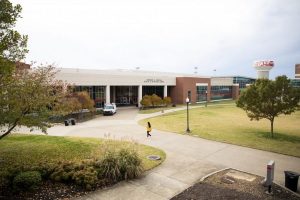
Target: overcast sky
218 37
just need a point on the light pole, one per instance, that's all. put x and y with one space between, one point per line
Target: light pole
187 100
206 98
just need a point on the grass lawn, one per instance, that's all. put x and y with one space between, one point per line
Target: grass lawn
153 110
227 123
31 150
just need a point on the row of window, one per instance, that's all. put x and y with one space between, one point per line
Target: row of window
96 92
216 93
243 81
122 95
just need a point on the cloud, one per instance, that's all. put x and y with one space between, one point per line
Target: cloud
164 35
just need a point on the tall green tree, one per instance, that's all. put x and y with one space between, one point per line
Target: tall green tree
30 99
13 45
269 99
27 97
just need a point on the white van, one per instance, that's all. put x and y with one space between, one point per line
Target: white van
109 109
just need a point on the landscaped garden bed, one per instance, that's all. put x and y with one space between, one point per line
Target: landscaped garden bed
48 167
233 184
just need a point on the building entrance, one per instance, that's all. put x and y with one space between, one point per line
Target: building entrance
124 95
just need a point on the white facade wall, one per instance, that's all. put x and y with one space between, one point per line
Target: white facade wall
115 78
221 81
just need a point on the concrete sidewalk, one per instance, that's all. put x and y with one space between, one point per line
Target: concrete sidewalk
188 158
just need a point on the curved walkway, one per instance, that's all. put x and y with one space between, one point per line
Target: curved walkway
188 158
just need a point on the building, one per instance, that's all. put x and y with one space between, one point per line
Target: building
263 68
127 87
296 82
22 66
297 71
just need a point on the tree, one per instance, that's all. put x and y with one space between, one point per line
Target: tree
85 100
13 45
68 104
167 101
155 100
268 99
146 101
30 98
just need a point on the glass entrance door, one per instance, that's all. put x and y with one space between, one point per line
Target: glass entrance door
124 95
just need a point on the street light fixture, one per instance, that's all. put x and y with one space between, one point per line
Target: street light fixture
187 100
206 98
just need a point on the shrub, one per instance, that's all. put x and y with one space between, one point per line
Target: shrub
86 177
129 163
109 167
46 170
156 100
146 101
99 111
82 174
63 172
27 180
167 101
152 100
121 165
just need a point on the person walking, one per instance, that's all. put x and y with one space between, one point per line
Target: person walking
149 129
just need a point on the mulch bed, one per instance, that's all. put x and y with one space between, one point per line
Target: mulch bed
220 186
49 191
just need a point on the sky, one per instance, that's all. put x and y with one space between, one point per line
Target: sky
217 37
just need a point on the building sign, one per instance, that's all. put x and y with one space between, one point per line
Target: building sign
268 63
151 80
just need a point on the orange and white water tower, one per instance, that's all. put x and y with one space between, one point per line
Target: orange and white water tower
263 67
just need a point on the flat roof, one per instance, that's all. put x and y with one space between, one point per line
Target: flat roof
233 77
129 72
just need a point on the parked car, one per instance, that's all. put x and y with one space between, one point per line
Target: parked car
109 109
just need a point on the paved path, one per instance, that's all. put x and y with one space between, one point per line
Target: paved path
188 158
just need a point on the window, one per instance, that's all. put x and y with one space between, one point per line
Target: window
221 92
201 93
97 93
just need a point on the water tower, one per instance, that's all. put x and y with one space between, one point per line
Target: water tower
263 67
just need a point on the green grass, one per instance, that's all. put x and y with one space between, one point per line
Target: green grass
31 150
227 123
154 110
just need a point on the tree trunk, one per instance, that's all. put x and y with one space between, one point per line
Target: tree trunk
272 122
8 131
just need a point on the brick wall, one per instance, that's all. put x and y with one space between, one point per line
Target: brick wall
297 71
185 84
22 66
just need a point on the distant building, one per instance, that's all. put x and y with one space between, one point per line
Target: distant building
297 71
127 87
22 66
263 68
296 82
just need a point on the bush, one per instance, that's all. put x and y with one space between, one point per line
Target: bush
121 165
109 167
167 101
27 180
154 101
86 177
130 164
99 111
63 172
83 174
146 101
46 170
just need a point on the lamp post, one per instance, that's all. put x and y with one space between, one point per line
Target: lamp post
187 100
206 98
